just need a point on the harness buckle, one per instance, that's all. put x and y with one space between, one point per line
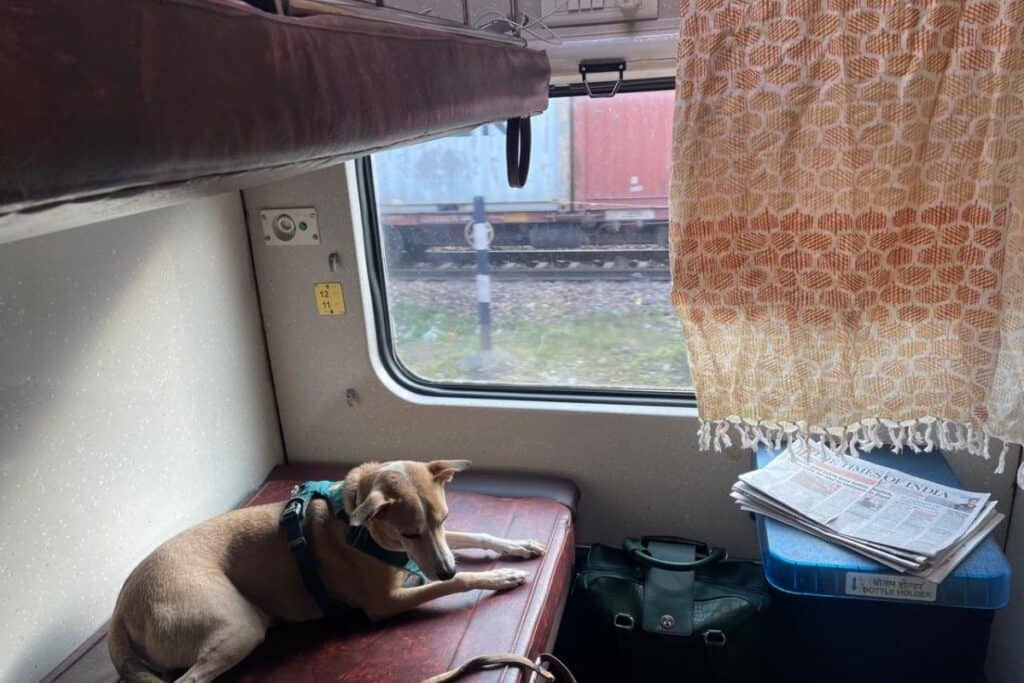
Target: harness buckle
292 510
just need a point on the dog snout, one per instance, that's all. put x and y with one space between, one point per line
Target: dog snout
446 567
444 561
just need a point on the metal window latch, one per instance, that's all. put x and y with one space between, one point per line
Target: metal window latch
597 66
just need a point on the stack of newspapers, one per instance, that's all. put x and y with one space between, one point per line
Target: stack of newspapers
909 524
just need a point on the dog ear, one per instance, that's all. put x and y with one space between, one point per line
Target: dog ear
444 470
368 509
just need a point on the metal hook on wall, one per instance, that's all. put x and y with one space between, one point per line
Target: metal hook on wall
517 150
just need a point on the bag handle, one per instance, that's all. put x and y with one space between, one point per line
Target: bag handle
639 552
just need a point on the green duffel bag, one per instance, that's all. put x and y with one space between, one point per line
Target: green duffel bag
664 608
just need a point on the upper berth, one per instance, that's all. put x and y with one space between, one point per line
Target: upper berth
167 98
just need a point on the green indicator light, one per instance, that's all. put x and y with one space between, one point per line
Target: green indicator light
302 225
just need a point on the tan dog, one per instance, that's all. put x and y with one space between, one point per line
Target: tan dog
203 600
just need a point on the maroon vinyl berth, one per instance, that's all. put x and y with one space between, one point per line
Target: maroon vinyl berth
437 636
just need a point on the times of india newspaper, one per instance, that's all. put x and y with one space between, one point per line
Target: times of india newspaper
909 524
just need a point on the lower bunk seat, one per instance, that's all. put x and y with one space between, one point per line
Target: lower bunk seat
437 636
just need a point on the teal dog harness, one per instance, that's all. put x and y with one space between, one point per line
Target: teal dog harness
358 537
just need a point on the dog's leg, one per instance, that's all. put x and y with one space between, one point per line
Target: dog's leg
233 629
223 649
503 546
403 599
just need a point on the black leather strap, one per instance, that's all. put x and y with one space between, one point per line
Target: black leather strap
517 150
668 593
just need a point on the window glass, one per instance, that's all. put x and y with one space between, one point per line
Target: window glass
577 293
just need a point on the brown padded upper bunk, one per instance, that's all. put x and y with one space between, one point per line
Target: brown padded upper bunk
107 99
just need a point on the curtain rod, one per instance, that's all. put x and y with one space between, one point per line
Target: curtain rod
379 12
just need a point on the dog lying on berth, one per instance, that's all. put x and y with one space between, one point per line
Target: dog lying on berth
203 600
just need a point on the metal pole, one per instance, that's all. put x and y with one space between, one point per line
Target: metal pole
483 271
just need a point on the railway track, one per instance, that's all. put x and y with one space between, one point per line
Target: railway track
525 254
648 262
574 274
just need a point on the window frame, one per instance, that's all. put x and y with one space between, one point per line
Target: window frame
406 378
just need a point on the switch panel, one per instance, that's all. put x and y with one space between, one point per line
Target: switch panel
290 227
583 12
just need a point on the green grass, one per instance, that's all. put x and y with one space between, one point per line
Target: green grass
598 349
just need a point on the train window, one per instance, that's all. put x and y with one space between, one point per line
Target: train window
565 283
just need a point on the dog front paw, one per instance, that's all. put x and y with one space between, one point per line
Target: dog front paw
525 548
496 579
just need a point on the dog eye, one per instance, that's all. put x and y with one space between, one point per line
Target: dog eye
411 536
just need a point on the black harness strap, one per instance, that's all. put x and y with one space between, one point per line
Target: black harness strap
292 516
291 519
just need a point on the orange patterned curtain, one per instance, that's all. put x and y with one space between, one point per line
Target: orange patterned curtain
847 236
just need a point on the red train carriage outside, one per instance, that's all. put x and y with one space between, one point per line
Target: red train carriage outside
582 191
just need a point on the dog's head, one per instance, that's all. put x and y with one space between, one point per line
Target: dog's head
402 505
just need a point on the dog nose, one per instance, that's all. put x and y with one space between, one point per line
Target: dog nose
445 573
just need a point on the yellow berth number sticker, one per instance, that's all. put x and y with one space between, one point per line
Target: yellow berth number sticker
329 298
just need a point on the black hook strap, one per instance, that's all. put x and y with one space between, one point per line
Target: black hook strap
517 151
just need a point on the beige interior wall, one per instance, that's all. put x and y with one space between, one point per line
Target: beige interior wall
638 468
135 400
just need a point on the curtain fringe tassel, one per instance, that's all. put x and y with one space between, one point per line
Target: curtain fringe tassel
920 436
